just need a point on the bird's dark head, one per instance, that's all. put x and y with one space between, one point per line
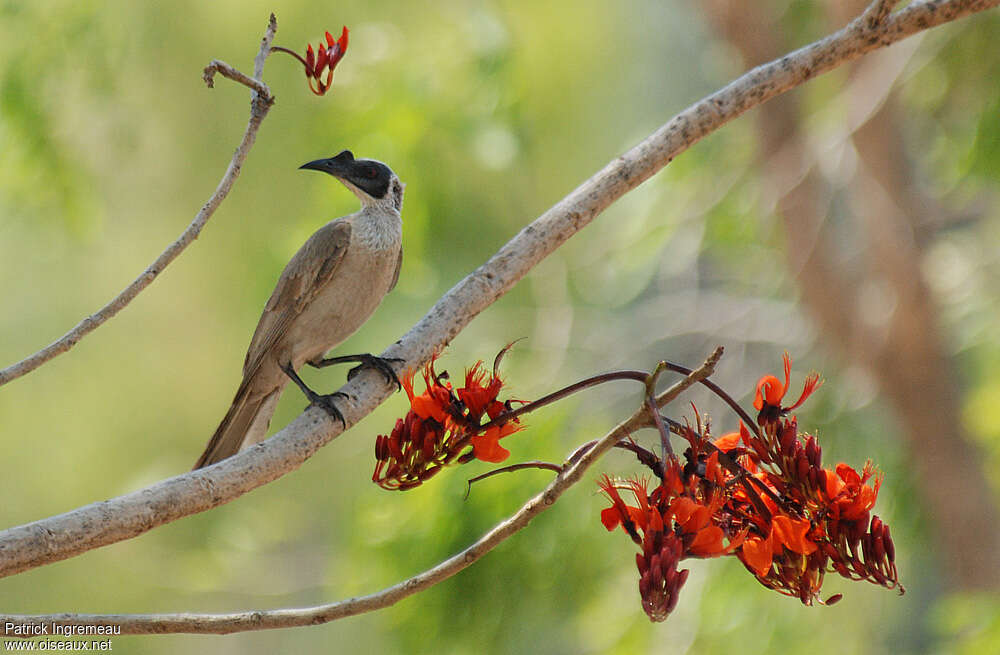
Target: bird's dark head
370 180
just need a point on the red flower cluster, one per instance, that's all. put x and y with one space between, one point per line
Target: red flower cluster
765 492
324 59
677 520
441 424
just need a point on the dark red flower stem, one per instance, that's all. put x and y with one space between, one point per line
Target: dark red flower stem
654 412
717 390
645 457
548 466
661 427
278 48
502 419
613 376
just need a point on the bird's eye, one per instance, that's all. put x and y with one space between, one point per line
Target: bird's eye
371 172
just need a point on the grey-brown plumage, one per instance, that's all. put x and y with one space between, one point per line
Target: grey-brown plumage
326 292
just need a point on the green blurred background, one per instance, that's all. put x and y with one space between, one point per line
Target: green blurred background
854 223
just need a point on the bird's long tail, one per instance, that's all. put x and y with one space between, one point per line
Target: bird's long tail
245 423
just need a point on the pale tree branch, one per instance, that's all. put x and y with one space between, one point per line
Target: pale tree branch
877 12
261 103
59 537
225 70
572 472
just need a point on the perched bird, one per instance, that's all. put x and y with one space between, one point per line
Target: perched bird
326 292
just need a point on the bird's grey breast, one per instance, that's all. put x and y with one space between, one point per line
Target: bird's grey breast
378 228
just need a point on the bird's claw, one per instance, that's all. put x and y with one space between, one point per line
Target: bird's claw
326 403
381 364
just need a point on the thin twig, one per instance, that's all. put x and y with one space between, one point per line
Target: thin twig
224 69
258 110
99 524
265 47
571 472
721 393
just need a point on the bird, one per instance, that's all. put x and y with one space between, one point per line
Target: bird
328 290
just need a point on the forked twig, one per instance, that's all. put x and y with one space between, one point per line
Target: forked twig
262 101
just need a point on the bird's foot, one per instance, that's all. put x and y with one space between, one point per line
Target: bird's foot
319 400
381 364
326 403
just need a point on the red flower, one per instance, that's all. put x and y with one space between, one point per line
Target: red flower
435 401
673 522
848 491
441 425
619 513
788 519
476 395
324 59
770 393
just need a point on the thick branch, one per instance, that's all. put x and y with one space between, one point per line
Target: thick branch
262 101
99 524
877 12
572 472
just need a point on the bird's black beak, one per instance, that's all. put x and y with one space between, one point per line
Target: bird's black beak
336 166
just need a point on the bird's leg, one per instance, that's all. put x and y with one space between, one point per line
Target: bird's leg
381 364
320 400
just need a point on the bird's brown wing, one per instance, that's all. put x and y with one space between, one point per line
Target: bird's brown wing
395 274
309 270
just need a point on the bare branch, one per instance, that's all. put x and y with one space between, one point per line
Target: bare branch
571 472
877 12
265 47
224 69
100 524
262 101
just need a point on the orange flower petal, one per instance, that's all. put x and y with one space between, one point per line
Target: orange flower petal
683 508
792 533
708 542
426 407
727 442
757 555
848 474
714 472
769 391
486 447
834 484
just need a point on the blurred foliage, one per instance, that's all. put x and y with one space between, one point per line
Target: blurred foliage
490 112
